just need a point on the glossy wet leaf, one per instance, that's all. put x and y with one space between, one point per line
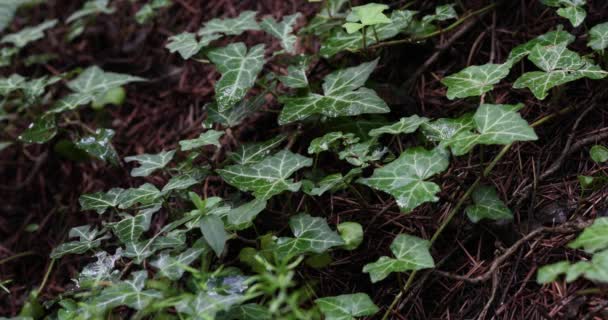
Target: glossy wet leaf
594 238
250 153
213 231
405 178
129 229
404 125
341 40
362 154
599 153
487 205
444 129
30 34
129 293
343 96
100 146
171 266
311 235
495 124
347 306
241 217
560 65
89 237
411 253
331 141
475 80
210 137
145 194
149 163
598 37
239 68
41 130
268 177
282 30
90 7
100 201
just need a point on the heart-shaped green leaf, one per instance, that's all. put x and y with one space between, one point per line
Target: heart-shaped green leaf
312 235
150 162
282 30
598 37
347 306
487 205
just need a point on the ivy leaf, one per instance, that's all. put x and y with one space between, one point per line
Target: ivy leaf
296 74
129 293
145 194
149 10
405 177
231 26
551 38
100 146
594 270
241 217
442 13
88 238
249 311
598 37
496 124
172 266
213 231
184 181
341 40
129 229
331 182
331 141
475 80
185 44
312 235
599 153
405 125
594 238
343 96
237 114
575 14
369 14
363 153
239 69
549 273
30 34
90 7
150 162
347 306
268 177
7 12
210 137
411 253
282 30
560 66
255 152
41 130
444 129
206 305
100 201
487 205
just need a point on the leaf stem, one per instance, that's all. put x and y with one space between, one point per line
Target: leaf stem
462 200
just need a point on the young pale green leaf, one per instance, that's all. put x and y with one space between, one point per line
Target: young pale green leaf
255 152
171 267
129 293
550 272
41 130
100 146
282 30
351 233
343 96
331 141
487 205
231 26
599 154
312 235
268 177
100 201
475 80
594 238
210 137
347 306
369 14
88 238
241 217
598 37
332 182
30 34
239 69
594 270
405 177
149 163
146 194
496 124
185 44
89 8
405 125
214 233
129 229
411 253
341 40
